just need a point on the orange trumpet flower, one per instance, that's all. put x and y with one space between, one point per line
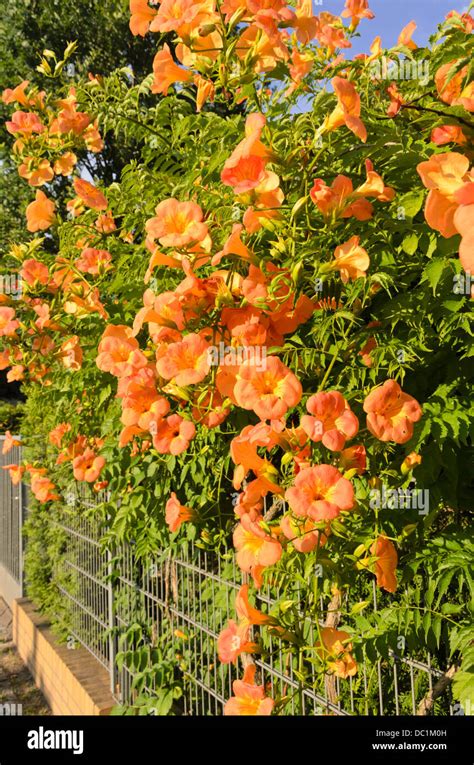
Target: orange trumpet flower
391 413
347 111
249 699
40 213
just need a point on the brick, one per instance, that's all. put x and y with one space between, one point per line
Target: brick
73 682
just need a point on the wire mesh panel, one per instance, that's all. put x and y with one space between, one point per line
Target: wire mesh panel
154 624
188 599
80 574
181 598
12 509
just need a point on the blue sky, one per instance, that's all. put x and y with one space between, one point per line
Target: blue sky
392 15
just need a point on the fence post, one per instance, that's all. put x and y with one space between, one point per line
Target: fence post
11 543
111 622
21 519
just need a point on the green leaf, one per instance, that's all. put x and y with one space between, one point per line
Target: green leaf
410 243
433 272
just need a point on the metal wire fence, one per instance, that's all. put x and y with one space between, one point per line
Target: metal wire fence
155 623
11 522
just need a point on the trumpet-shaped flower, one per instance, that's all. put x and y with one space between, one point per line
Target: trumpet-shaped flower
330 33
173 14
374 185
249 698
267 197
25 124
347 111
270 391
255 547
245 168
105 223
244 455
141 17
448 134
17 95
36 173
87 466
43 489
247 614
16 473
386 563
396 100
166 312
233 641
119 352
320 493
333 421
57 434
8 322
186 362
444 175
334 198
166 71
354 458
357 10
304 23
391 413
90 195
40 213
93 261
234 246
173 435
34 272
65 164
404 38
262 45
9 442
177 224
335 650
176 513
451 88
351 260
205 91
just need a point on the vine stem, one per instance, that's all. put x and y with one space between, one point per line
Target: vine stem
439 113
329 369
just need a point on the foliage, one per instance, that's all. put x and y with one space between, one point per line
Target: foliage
11 413
27 28
298 234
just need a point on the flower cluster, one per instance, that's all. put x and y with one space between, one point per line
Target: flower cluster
47 132
259 37
208 347
449 205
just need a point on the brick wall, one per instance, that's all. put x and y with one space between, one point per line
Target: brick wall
72 681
